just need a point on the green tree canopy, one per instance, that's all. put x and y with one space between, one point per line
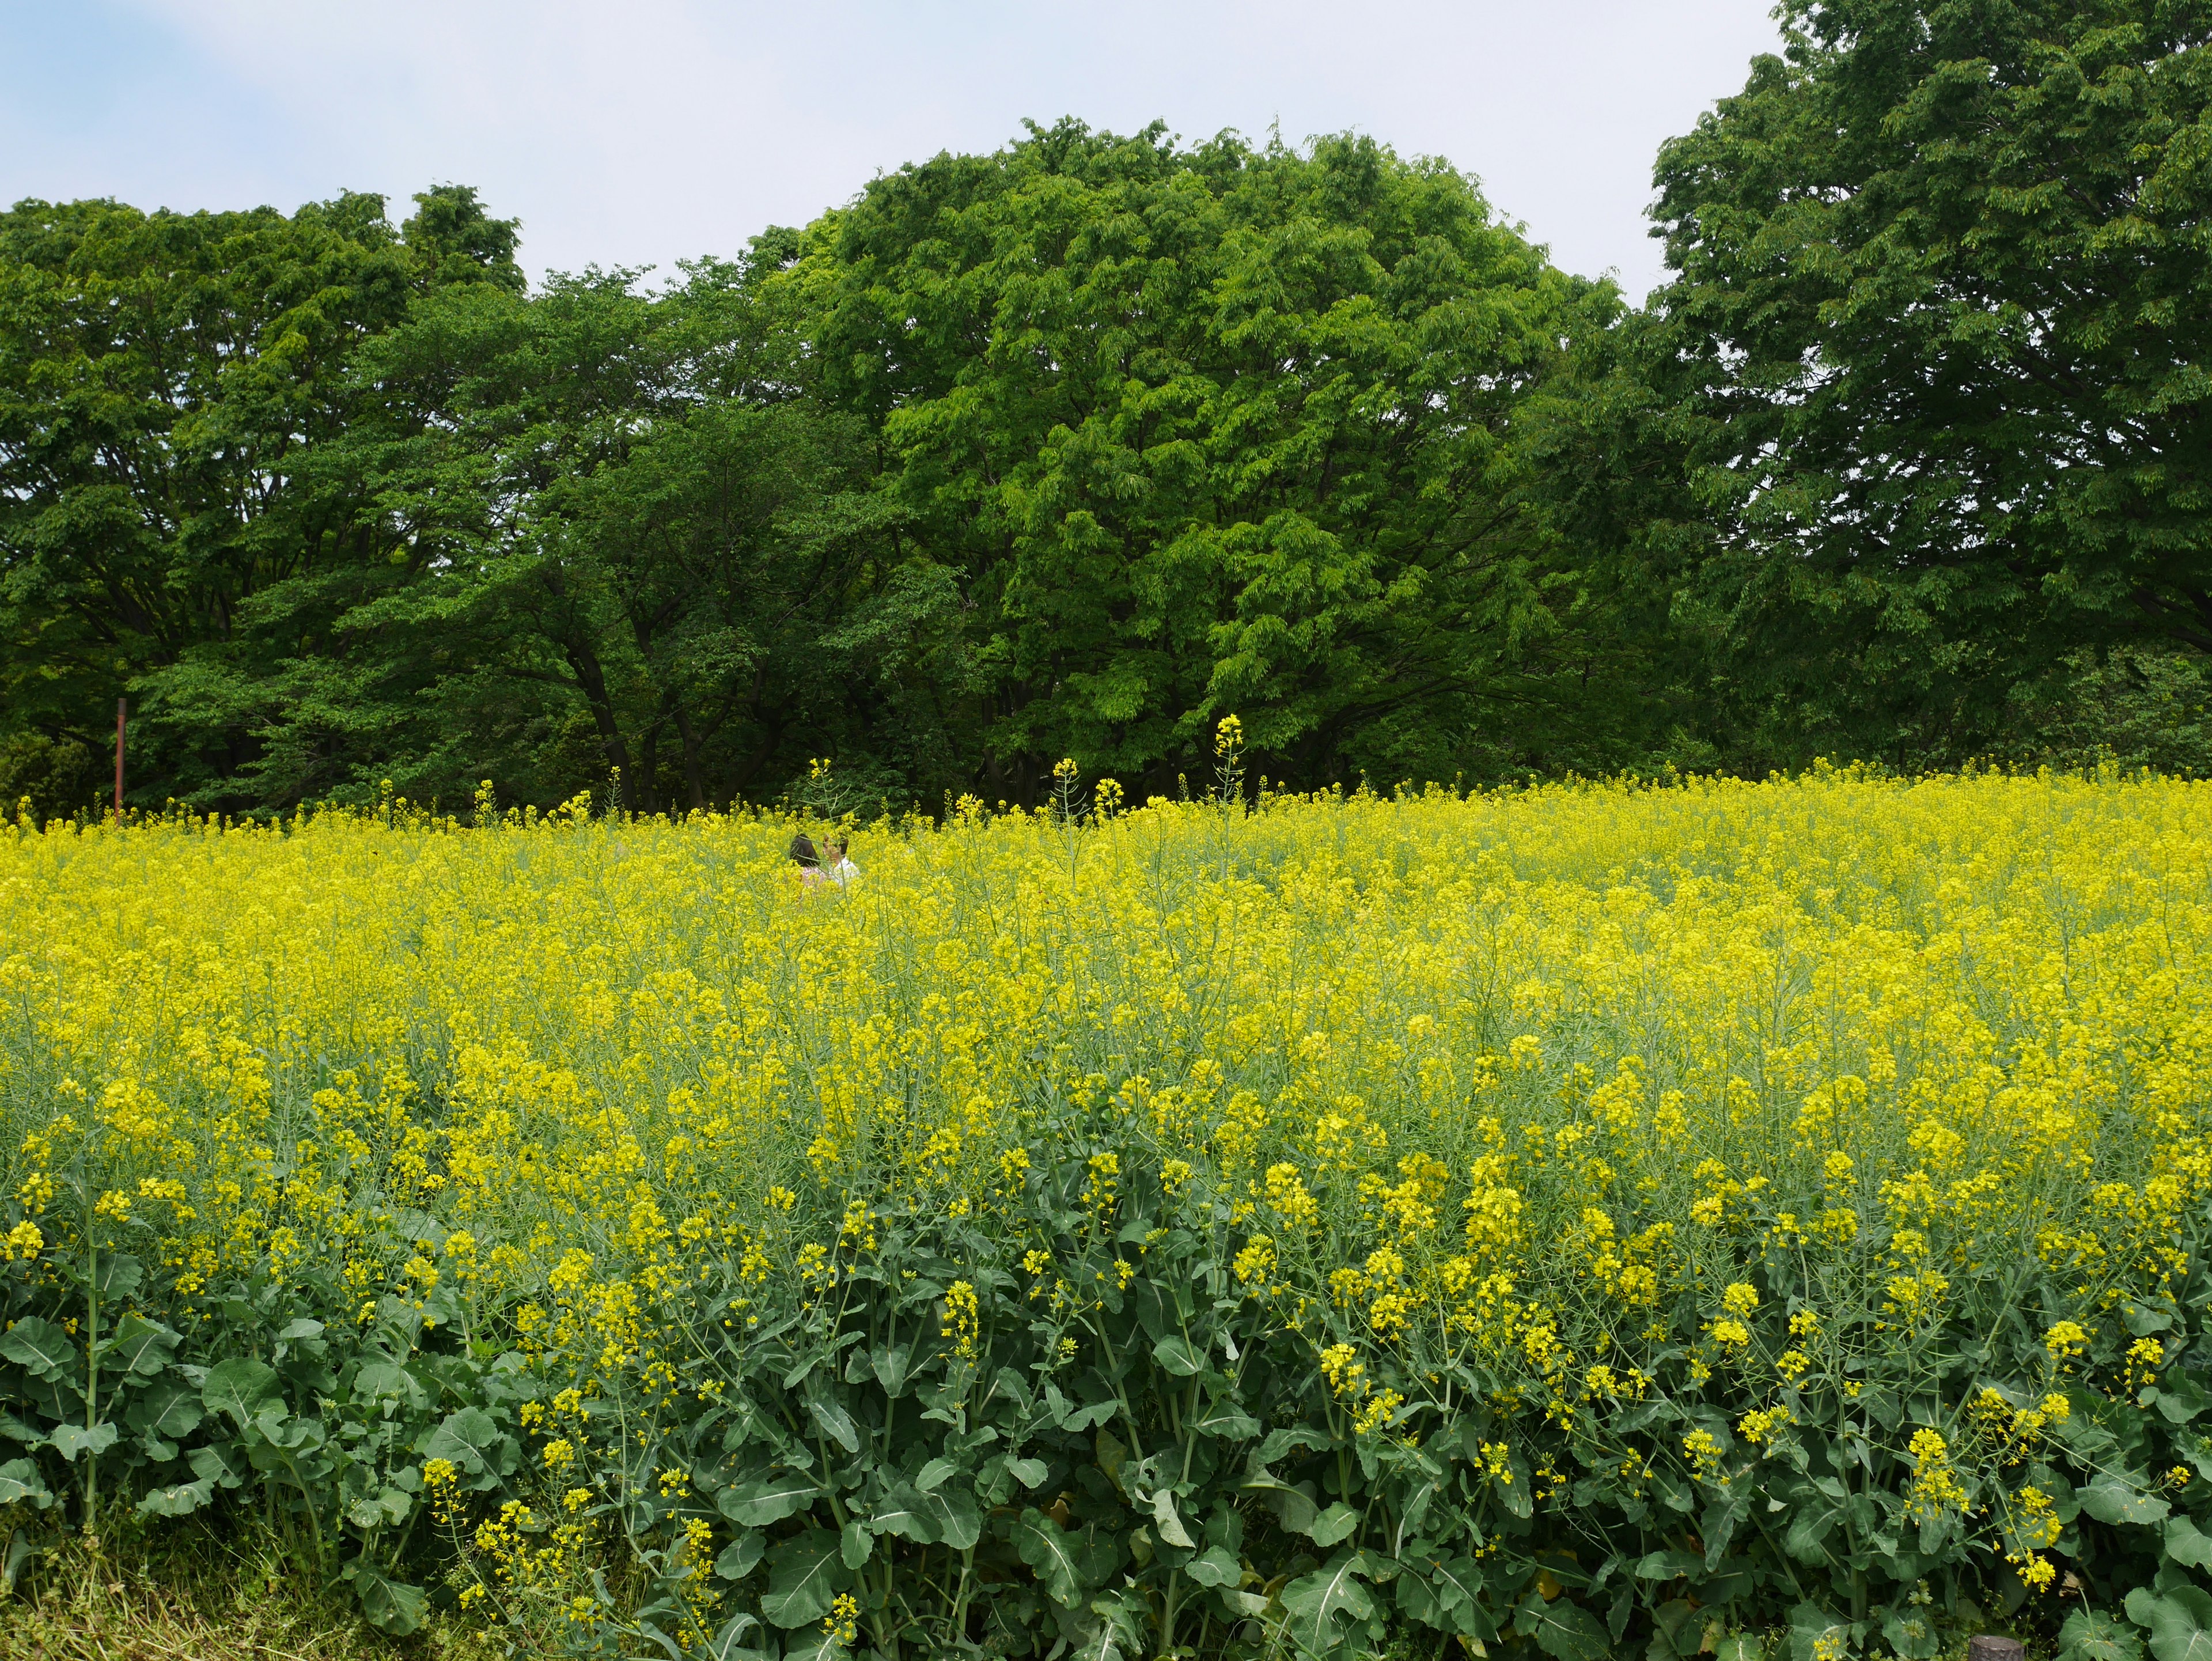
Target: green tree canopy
1225 428
167 385
1944 309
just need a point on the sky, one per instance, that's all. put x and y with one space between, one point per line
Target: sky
644 131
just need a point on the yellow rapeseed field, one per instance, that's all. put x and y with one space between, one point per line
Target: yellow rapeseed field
1590 1215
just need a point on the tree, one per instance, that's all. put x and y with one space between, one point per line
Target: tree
166 381
616 505
1944 305
1225 428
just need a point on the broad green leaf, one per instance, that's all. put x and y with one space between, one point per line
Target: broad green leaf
1811 1630
2180 1623
1332 1524
166 1409
1217 1565
40 1349
2112 1499
738 1558
953 1514
219 1465
1669 1565
931 1477
1563 1629
180 1500
804 1574
470 1438
888 1362
1168 1522
389 1605
238 1389
139 1345
1052 1555
1319 1604
2095 1635
1225 1418
1458 1582
903 1514
2186 1543
1175 1353
755 1505
1912 1634
836 1424
854 1543
21 1483
1028 1472
1293 1507
69 1440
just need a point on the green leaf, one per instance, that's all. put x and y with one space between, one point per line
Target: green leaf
139 1346
168 1409
69 1440
900 1513
1332 1524
740 1556
39 1348
804 1574
1169 1524
854 1545
20 1482
1028 1472
1226 1419
219 1465
2181 1398
2112 1499
389 1605
240 1389
470 1438
2186 1543
180 1500
1808 1625
2095 1635
952 1515
1293 1507
2180 1623
1052 1556
931 1477
836 1424
1319 1604
1217 1565
1458 1582
888 1362
1669 1565
756 1504
1177 1355
1563 1629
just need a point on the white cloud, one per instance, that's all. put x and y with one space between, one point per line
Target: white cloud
663 128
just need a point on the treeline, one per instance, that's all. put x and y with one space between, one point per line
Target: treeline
1073 448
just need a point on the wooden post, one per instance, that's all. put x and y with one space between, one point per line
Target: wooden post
120 708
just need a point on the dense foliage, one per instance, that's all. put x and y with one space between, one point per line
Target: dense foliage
1577 1221
1944 282
1075 448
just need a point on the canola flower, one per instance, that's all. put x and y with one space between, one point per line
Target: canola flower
1509 1126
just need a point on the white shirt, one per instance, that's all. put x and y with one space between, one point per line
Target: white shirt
843 872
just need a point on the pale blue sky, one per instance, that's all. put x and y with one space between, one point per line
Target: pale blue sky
640 132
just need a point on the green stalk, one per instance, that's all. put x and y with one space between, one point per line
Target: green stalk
91 1372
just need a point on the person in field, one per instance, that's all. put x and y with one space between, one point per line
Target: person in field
840 867
812 876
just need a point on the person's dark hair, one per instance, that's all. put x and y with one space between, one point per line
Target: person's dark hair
835 844
802 850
